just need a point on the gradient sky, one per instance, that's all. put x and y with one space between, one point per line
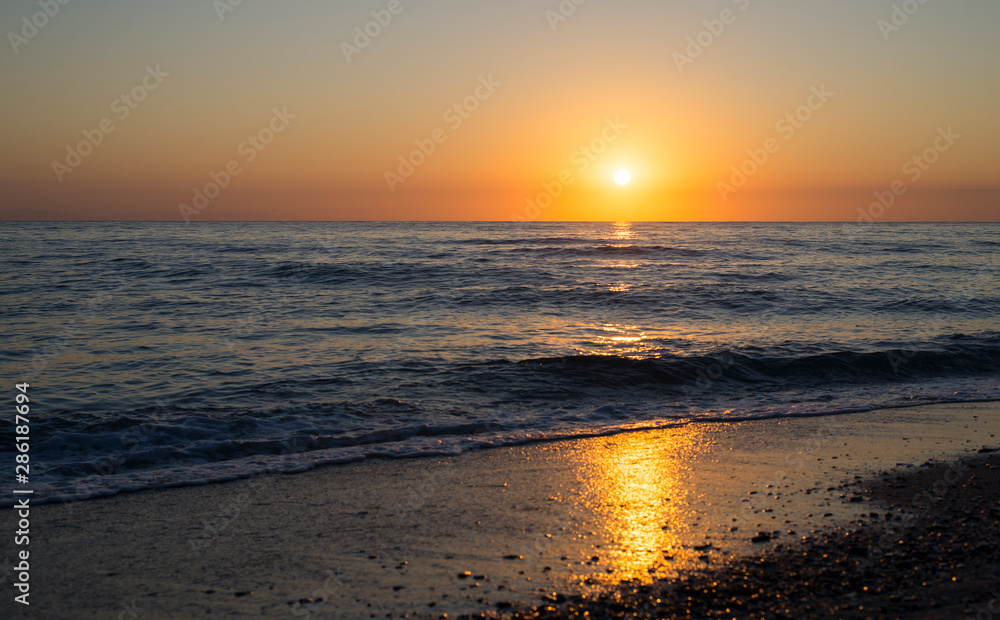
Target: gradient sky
556 86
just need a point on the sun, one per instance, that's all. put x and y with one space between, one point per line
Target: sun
622 177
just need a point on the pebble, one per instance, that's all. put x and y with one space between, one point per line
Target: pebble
941 549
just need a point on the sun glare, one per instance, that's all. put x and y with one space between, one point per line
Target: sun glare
622 177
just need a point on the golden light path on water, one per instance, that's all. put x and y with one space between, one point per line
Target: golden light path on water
637 484
622 339
643 494
622 231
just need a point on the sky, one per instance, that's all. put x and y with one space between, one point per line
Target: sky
882 110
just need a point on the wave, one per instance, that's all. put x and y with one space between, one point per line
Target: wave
527 241
961 357
611 250
220 460
90 455
281 347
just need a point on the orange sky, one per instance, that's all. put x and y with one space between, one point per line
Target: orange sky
721 110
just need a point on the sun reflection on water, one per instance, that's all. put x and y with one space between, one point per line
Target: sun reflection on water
640 489
622 231
623 340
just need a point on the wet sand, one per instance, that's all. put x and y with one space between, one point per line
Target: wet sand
498 530
934 553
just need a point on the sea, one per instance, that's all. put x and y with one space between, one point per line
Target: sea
168 354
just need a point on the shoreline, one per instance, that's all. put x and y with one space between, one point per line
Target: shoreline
485 530
934 554
520 442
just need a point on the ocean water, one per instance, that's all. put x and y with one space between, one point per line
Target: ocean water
164 354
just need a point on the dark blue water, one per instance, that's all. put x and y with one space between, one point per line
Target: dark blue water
163 354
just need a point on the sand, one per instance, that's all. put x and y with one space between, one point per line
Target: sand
486 531
939 561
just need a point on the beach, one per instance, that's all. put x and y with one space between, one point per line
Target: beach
500 310
506 530
938 563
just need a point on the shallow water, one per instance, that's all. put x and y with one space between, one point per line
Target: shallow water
162 354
